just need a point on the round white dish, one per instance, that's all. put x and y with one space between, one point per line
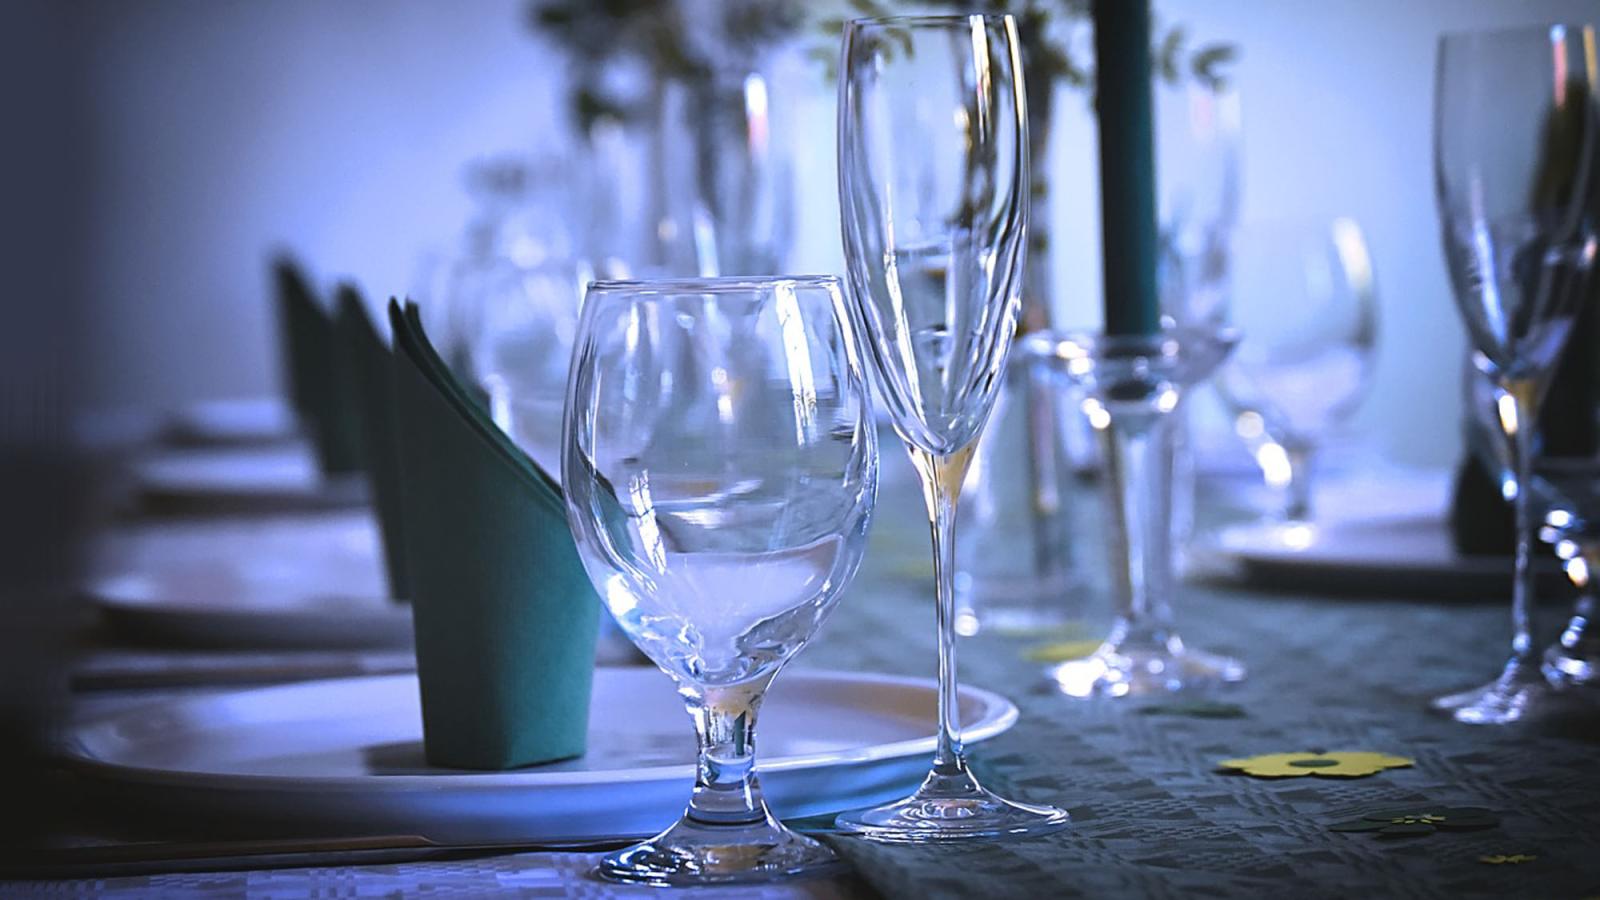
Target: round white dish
279 478
242 421
307 581
345 757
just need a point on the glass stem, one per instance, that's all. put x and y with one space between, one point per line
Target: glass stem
1301 462
1138 449
1518 402
941 489
726 791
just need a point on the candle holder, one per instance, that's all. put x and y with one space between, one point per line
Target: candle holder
1132 385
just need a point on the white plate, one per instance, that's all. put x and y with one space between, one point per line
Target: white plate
1381 533
345 756
242 480
313 581
231 423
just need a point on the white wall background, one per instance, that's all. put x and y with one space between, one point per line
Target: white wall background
225 128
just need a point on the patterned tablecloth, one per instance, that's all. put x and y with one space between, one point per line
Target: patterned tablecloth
1152 816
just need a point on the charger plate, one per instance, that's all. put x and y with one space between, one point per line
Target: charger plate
281 582
345 757
244 421
1383 534
239 480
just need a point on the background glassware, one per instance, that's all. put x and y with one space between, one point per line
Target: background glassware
1516 137
720 471
1017 568
1305 304
1197 154
518 223
521 349
1134 386
933 181
1572 525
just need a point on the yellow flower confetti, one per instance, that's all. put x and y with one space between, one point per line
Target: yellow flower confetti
1061 651
1335 764
1501 859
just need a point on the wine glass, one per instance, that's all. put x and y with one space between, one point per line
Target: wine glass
1516 141
933 174
1304 300
720 471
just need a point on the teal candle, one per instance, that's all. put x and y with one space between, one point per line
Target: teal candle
1129 245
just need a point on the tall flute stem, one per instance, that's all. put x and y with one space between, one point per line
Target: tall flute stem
726 791
1519 405
941 490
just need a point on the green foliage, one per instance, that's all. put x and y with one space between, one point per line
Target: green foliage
657 34
1045 27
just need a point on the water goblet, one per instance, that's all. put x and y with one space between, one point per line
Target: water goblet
933 175
1517 178
720 471
1304 301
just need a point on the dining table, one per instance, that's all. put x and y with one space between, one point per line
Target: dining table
1153 813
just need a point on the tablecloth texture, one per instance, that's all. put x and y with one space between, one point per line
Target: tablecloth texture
1152 816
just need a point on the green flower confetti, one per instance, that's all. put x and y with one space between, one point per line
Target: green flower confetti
1199 709
1408 821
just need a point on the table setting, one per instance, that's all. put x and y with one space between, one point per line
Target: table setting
497 597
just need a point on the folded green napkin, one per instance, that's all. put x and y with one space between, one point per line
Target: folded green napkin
504 615
371 367
320 388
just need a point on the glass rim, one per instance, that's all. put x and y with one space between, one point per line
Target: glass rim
924 20
1459 34
718 284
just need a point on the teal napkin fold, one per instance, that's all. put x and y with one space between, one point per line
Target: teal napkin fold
371 367
320 388
505 618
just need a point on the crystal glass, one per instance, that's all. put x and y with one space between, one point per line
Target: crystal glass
1017 569
720 472
1134 386
1516 142
1197 153
933 175
521 349
1572 526
1305 302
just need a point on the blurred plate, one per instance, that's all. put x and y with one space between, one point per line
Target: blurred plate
232 423
1381 533
283 582
242 480
345 757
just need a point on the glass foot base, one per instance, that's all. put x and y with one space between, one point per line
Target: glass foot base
1517 694
1569 671
692 853
1125 672
952 807
1574 661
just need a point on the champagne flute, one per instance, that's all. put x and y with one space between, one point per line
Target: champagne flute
720 471
933 174
1516 143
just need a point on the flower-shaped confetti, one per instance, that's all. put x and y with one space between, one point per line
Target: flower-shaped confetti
1408 821
1061 651
1507 859
1335 764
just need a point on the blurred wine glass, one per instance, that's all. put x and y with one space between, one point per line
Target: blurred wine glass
1305 302
1516 153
